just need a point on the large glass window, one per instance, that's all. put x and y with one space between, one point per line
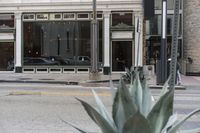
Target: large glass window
59 42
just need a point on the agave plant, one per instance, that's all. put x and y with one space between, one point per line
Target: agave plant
134 110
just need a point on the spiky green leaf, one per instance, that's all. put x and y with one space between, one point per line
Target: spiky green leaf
137 124
179 123
136 92
112 89
161 112
146 100
105 126
72 125
170 123
123 106
165 87
102 110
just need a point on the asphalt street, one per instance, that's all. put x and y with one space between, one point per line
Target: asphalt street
39 108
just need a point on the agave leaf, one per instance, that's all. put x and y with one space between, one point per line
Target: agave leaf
178 124
191 131
161 112
136 92
170 123
72 125
137 124
102 110
112 88
147 100
105 126
165 87
123 106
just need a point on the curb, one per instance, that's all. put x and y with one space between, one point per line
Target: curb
39 82
180 87
100 83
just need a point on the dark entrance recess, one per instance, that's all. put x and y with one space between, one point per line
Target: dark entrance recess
121 55
7 56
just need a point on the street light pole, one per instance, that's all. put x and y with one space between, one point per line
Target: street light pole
163 47
94 42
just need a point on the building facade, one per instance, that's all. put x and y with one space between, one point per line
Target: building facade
55 35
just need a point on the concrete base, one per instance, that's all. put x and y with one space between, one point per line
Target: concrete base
94 76
18 69
106 70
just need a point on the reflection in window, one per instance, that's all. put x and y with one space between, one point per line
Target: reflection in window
6 21
156 25
170 4
63 42
122 19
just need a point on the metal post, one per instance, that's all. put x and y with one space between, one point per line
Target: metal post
138 45
94 42
174 47
163 47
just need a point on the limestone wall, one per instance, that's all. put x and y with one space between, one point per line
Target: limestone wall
192 34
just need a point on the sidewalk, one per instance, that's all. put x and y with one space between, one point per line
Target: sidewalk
80 78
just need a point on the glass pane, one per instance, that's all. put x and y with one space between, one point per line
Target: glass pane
59 43
7 52
122 18
83 47
158 4
85 15
155 25
6 21
121 55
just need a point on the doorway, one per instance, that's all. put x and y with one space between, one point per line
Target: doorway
7 56
121 55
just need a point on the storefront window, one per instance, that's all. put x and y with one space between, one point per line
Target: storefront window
59 43
122 19
6 21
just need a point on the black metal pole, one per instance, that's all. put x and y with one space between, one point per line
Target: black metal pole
163 47
58 49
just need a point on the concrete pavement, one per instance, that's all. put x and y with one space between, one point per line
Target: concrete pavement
38 109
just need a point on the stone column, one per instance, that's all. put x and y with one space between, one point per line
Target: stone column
107 69
191 35
138 40
18 43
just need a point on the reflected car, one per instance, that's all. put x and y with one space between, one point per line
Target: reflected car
58 59
83 60
39 61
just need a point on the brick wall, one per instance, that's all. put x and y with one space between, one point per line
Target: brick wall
192 33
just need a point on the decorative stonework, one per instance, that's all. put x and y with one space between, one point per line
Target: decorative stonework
192 34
